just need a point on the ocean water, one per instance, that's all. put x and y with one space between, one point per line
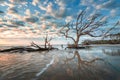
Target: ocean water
94 63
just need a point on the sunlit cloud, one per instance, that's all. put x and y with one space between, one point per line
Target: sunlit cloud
35 2
27 12
68 19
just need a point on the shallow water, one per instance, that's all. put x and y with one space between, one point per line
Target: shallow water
95 63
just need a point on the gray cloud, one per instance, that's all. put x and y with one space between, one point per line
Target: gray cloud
2 0
13 10
18 23
10 25
108 4
32 19
18 1
48 17
1 25
111 4
1 12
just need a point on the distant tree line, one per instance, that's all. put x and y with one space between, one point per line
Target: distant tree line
113 39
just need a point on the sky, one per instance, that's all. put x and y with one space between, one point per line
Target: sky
24 21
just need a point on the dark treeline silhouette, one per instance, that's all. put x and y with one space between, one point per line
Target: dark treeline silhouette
113 39
88 42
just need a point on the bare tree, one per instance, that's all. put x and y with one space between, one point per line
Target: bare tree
86 25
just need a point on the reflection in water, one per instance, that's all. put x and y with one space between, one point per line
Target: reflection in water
84 64
22 66
43 70
112 52
80 61
76 68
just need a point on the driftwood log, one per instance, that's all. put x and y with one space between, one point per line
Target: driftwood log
28 49
21 49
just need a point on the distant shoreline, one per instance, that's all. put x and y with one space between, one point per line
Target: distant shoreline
103 45
65 45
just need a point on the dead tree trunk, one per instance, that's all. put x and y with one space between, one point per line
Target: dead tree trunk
47 41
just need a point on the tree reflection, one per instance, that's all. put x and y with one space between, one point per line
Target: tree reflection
83 69
76 68
80 61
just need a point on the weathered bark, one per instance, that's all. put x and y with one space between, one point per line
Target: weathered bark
76 43
22 49
47 41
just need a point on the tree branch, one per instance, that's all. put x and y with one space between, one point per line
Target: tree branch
66 35
35 45
105 34
94 35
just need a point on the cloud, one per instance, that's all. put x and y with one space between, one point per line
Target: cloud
87 2
13 10
10 5
98 7
18 1
68 19
10 25
1 12
110 4
27 12
42 8
54 27
51 10
35 2
48 17
1 1
32 19
115 12
104 19
19 23
61 10
1 25
43 26
15 41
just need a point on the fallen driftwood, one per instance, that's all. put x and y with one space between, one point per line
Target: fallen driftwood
22 49
28 49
